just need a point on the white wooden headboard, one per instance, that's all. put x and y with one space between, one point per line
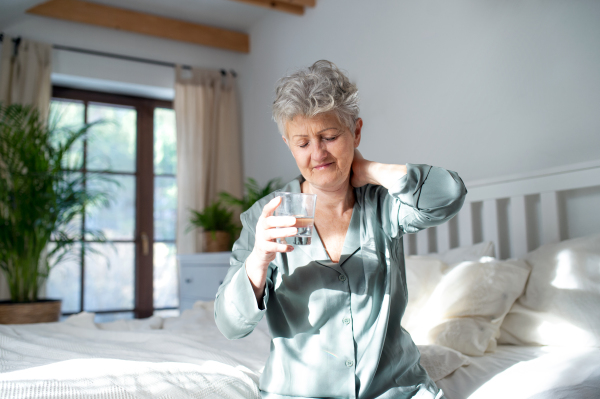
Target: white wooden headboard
518 212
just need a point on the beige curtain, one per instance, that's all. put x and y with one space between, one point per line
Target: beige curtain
208 146
25 79
25 74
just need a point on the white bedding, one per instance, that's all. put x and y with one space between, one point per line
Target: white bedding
187 357
71 360
532 372
182 357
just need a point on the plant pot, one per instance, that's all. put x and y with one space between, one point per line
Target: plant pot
217 241
42 311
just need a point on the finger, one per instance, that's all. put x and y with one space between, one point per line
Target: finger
270 207
279 221
272 234
276 247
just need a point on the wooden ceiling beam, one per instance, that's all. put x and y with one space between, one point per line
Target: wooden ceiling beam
277 5
146 24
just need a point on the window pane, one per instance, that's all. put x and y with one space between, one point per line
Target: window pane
65 117
73 228
165 276
165 142
112 143
165 207
117 221
109 276
64 280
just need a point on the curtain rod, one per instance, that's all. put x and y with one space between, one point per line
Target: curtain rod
17 41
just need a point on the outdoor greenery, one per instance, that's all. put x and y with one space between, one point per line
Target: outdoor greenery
42 195
254 192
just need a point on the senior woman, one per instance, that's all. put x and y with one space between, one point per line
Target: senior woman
334 307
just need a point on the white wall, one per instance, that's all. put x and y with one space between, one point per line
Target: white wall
482 87
109 74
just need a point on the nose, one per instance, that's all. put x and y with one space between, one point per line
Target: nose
319 152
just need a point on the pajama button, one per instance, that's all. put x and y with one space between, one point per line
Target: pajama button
346 321
342 277
349 363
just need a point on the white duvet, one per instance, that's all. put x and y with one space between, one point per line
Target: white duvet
182 357
63 360
528 372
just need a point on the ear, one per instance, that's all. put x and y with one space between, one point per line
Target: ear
357 132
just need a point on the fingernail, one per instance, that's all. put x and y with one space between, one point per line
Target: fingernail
290 248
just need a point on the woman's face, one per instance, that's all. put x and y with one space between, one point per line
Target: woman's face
323 149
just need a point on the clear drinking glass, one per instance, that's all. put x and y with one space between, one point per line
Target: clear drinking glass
302 207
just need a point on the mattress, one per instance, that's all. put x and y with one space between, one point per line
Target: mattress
533 372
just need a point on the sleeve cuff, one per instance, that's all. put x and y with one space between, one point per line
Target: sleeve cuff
241 295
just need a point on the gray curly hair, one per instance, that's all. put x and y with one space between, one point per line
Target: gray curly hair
320 88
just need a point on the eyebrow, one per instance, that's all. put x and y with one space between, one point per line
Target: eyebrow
320 131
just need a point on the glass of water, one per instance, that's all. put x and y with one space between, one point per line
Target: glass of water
302 207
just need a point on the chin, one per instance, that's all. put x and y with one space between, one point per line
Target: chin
327 180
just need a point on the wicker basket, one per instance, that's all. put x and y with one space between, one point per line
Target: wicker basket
219 242
42 311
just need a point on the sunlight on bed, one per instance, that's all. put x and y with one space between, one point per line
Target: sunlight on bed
142 378
565 278
557 331
558 367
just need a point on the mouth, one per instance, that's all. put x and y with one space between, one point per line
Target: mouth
323 166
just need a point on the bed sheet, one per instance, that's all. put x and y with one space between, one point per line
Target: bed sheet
182 357
532 372
63 360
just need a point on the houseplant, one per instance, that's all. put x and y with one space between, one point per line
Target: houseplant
254 192
219 229
40 196
217 221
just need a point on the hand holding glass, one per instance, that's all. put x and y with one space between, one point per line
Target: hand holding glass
302 207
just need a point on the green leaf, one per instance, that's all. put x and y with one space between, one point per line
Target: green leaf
254 192
38 199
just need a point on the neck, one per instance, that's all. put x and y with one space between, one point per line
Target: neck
336 199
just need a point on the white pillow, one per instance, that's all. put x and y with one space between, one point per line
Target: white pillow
423 274
82 319
468 253
440 361
561 303
86 320
467 307
201 315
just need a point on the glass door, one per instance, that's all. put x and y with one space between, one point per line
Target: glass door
132 154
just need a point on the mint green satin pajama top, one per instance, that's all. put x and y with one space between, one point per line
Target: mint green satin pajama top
336 327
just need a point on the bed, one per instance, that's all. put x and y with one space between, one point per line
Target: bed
514 315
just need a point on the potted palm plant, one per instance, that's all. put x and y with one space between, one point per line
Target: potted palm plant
217 221
39 198
219 229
